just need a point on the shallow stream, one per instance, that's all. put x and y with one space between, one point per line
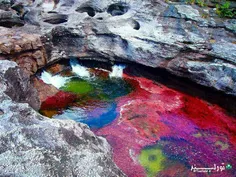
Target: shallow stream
153 130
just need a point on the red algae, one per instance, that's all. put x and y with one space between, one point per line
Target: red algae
59 100
159 131
187 130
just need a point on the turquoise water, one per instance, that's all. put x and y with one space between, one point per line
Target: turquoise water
98 117
95 103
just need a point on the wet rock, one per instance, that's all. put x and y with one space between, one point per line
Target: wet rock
10 19
32 145
19 87
44 90
208 71
56 68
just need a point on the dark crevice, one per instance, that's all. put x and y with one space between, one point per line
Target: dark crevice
135 25
1 112
164 77
90 11
56 19
10 24
118 9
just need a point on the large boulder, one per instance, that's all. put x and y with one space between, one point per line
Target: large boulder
177 37
153 33
32 145
25 49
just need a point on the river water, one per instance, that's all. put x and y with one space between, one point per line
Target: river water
153 130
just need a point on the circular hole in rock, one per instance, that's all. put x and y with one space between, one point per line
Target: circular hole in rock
118 9
90 11
135 25
99 18
56 18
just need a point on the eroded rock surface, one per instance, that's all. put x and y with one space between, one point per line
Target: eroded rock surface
25 49
186 40
32 145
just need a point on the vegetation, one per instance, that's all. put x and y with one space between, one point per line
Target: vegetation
200 3
223 10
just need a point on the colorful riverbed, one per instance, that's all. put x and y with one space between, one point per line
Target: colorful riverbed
153 130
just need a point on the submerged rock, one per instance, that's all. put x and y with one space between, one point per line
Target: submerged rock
32 145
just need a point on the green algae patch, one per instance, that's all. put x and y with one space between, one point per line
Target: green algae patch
78 86
152 160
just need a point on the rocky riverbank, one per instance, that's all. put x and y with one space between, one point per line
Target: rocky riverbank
185 40
33 145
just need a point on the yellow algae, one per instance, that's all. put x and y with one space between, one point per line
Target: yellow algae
197 135
224 146
48 113
152 160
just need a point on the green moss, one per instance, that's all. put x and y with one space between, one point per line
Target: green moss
152 160
78 86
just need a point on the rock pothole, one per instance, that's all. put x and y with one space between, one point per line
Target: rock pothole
117 9
54 18
135 24
90 11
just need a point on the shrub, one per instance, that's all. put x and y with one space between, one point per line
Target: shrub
224 10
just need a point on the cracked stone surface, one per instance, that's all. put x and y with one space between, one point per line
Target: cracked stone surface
32 145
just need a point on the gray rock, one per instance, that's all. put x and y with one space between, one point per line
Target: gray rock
5 4
188 12
19 87
32 145
9 19
208 72
231 25
224 50
151 33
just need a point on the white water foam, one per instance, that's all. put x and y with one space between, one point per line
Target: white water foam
117 71
79 70
57 80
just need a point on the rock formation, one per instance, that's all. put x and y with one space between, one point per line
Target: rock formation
32 145
186 40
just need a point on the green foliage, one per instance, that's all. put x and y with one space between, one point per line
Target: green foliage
224 10
200 3
190 2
